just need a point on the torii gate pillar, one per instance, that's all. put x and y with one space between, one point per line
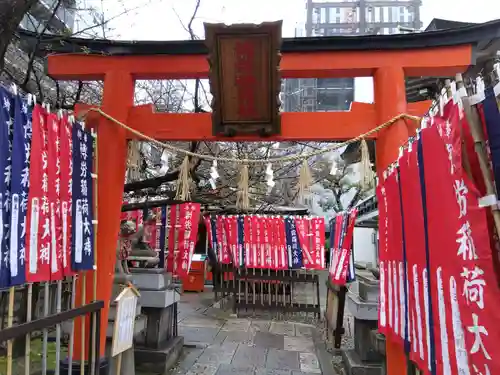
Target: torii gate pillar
390 100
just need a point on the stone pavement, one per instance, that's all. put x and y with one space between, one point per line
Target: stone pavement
217 344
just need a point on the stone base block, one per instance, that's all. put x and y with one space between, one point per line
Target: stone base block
354 366
154 279
360 309
368 290
160 360
363 344
158 298
75 368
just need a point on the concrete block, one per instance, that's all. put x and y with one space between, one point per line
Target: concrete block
160 360
150 279
363 344
360 309
369 290
354 366
158 298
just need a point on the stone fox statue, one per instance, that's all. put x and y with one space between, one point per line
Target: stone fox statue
130 243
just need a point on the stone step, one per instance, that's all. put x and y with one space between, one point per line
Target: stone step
354 366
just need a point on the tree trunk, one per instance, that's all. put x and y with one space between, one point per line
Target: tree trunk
11 14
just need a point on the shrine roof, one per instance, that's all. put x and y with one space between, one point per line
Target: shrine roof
479 35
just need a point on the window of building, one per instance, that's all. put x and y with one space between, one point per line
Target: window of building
377 11
322 16
402 14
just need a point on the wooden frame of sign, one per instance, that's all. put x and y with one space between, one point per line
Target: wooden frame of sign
123 328
244 78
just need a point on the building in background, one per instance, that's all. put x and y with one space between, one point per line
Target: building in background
51 16
333 18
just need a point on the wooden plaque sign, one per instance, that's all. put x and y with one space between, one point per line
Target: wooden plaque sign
244 78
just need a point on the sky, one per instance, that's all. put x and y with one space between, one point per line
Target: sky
162 19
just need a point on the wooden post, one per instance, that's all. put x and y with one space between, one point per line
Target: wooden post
118 97
390 100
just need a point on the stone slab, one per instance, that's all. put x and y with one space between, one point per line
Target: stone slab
225 369
360 309
354 366
159 298
282 359
299 344
201 322
249 356
260 325
304 330
236 325
202 369
269 340
194 335
150 280
282 328
272 371
309 363
218 354
240 337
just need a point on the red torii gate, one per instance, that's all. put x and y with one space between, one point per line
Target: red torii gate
388 65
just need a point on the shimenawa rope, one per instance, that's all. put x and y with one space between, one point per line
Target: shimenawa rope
256 161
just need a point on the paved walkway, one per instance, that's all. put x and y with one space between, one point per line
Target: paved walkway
216 344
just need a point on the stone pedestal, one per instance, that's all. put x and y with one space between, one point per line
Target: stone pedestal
362 302
159 347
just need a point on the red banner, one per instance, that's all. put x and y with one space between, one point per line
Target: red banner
249 253
54 173
463 282
418 310
189 214
231 230
65 157
318 246
283 254
395 252
224 255
259 242
173 223
38 216
383 310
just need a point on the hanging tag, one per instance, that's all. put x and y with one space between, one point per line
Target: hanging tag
423 123
441 105
29 100
488 201
479 96
269 171
334 169
385 174
14 89
212 183
401 150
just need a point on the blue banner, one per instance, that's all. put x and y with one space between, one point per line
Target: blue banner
6 127
492 119
82 256
293 245
21 146
213 224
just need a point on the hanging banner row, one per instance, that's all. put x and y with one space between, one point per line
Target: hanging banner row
46 194
438 287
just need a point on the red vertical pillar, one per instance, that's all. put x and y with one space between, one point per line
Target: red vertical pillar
118 97
390 101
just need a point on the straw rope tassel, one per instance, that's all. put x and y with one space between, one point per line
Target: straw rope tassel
367 174
242 199
183 192
305 180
